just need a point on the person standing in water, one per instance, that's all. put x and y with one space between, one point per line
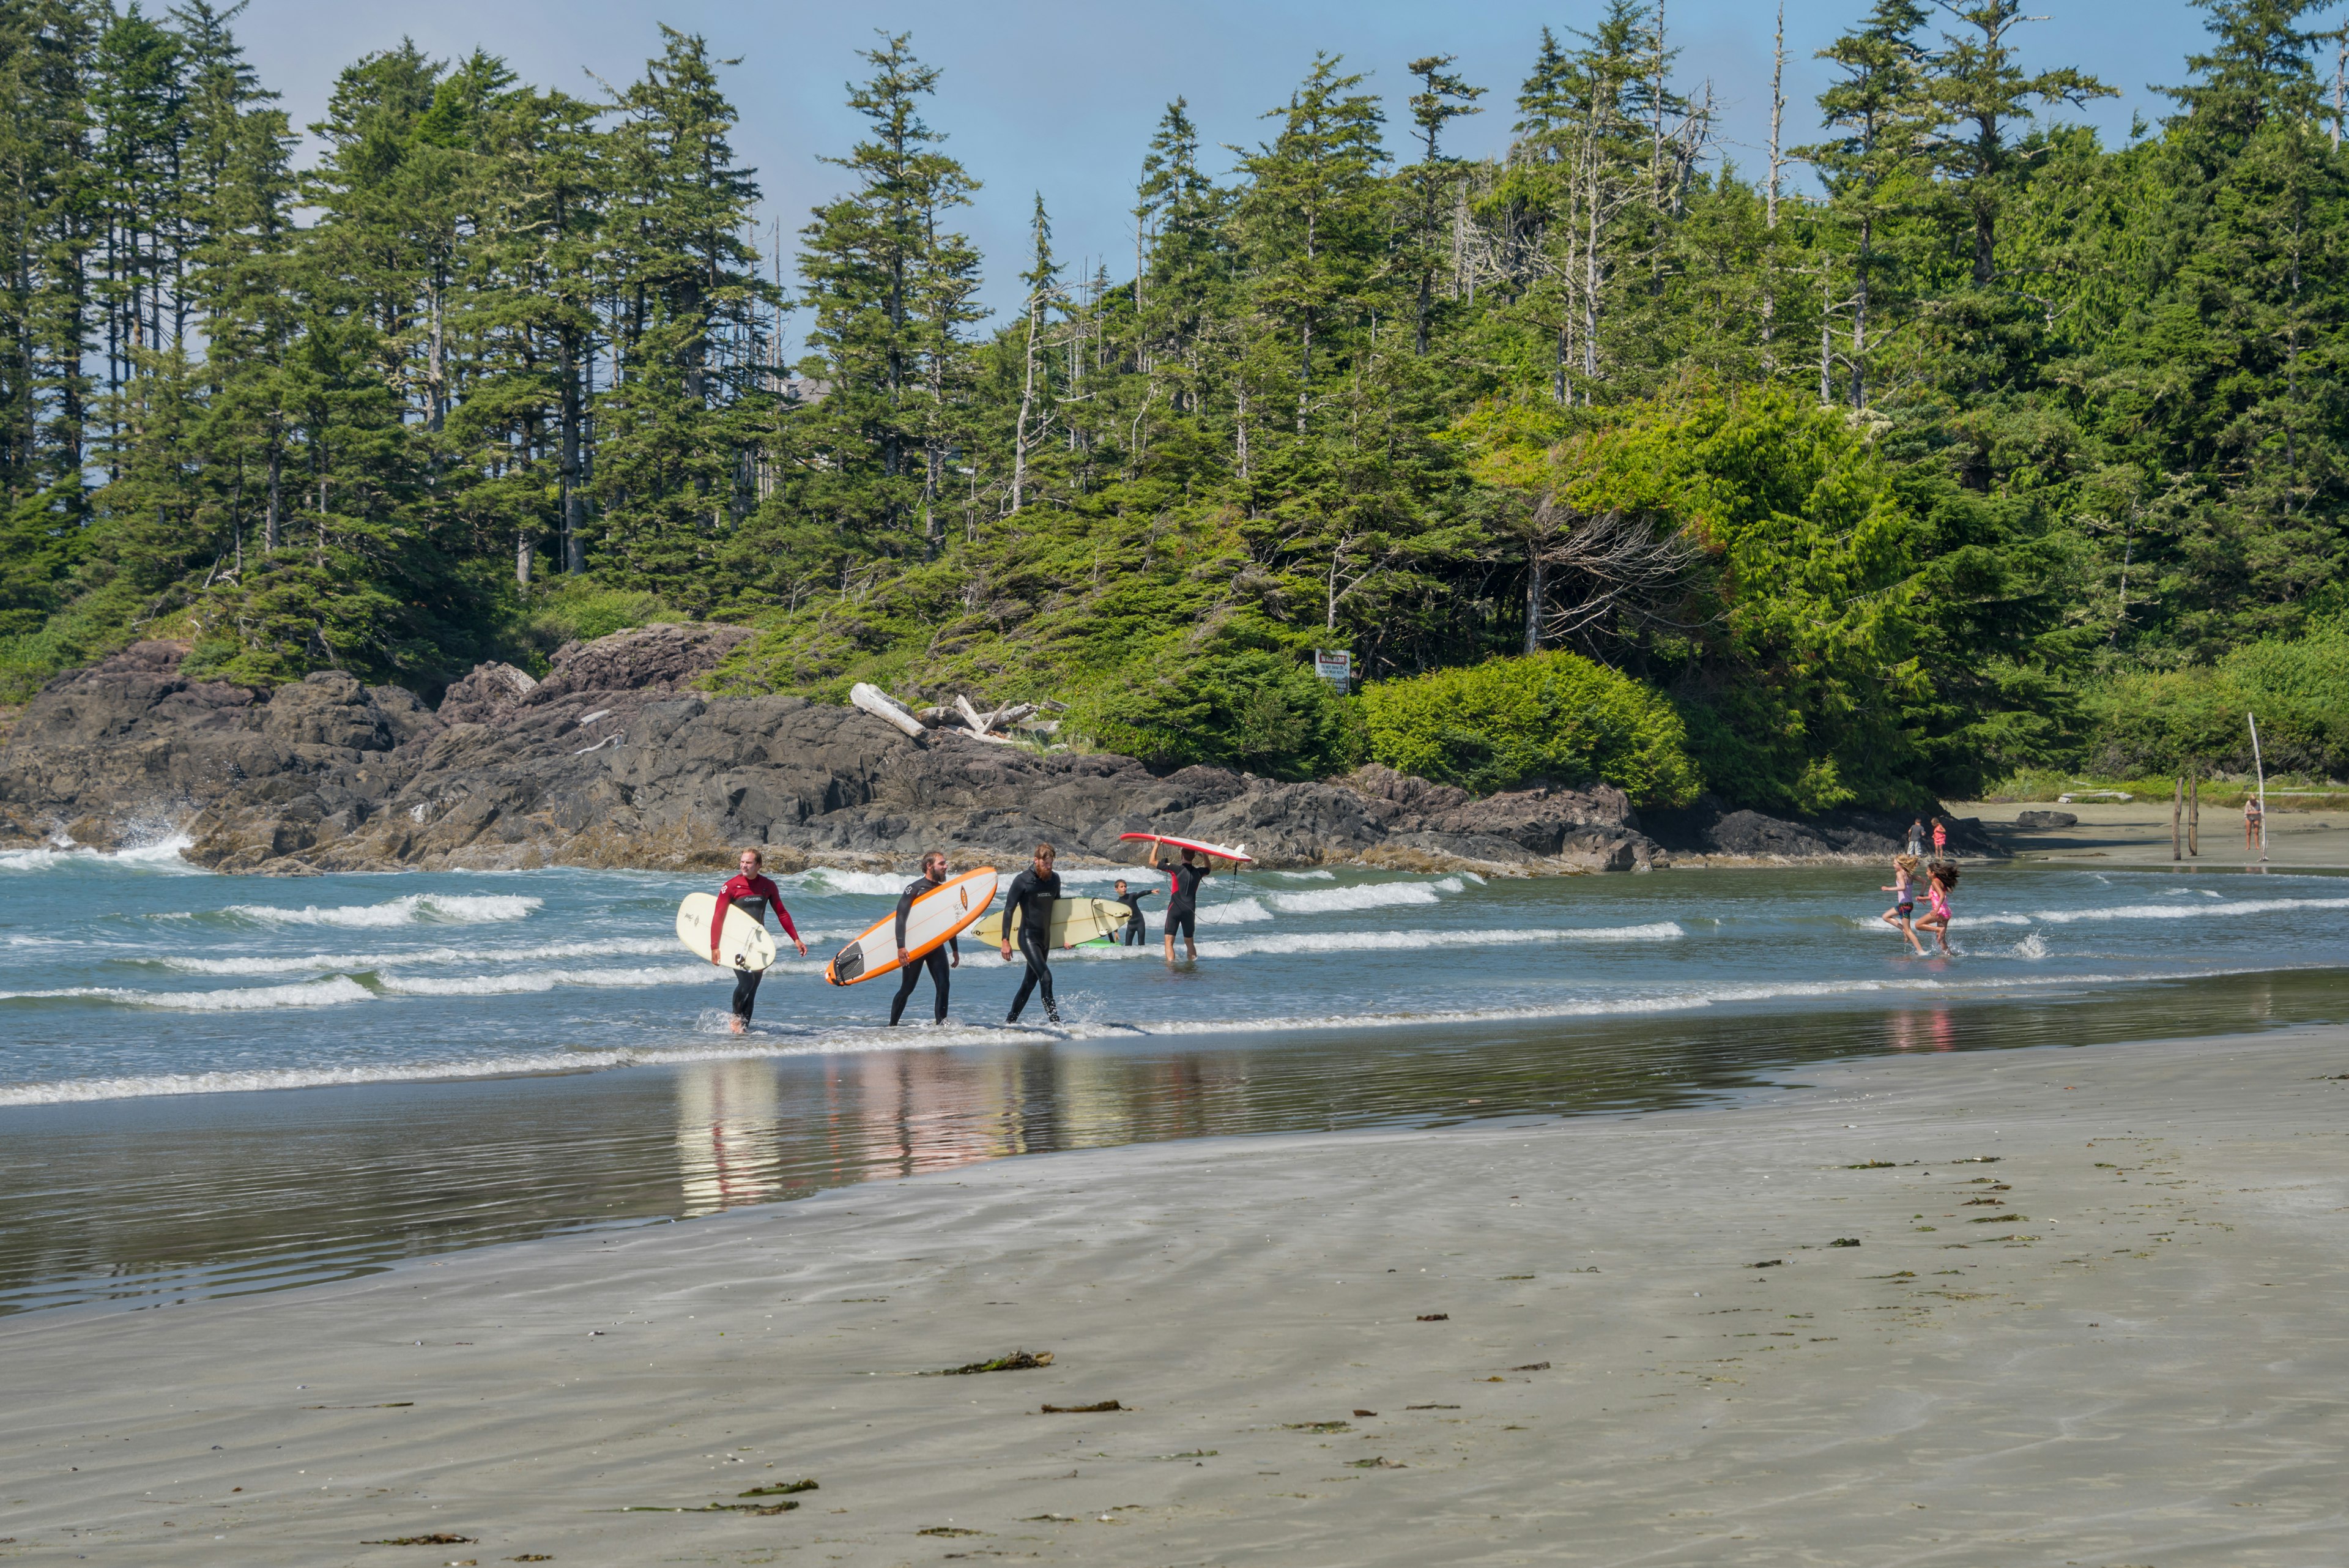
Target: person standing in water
933 877
1182 900
750 892
1136 932
1033 893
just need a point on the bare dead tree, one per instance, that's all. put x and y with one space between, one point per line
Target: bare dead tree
1600 579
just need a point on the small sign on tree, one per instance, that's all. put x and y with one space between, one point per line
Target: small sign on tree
1336 666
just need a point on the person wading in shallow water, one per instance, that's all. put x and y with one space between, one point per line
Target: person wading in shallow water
1032 894
934 874
1183 899
750 892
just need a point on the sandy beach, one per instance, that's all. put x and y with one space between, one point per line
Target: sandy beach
2092 1316
2137 833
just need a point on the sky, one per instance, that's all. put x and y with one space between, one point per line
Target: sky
1062 98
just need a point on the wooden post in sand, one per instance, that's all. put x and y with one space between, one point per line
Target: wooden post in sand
2176 816
2194 811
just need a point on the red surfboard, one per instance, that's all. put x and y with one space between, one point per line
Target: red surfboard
1239 857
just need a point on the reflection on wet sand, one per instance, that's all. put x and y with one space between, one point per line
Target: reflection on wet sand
236 1193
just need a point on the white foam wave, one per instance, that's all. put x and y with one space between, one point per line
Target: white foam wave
1362 896
330 993
2187 911
548 980
1344 941
416 909
296 964
162 854
833 879
1234 912
1321 876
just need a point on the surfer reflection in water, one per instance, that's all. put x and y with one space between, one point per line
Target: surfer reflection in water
934 876
1033 893
1183 899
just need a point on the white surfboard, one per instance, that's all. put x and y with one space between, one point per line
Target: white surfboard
742 942
1074 920
937 915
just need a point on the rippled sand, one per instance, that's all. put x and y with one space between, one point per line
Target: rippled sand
2093 1316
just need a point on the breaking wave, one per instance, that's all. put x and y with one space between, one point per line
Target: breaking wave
416 909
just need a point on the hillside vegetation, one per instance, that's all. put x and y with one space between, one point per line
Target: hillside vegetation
1986 448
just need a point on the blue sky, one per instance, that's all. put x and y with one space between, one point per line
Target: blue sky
1062 98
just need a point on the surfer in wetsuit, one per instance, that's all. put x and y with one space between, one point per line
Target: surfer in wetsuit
1182 900
933 877
1136 931
750 892
1033 893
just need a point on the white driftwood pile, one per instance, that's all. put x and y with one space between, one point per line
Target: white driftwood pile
961 719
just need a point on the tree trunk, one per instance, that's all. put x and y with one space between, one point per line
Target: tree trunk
1534 586
574 545
271 518
1027 403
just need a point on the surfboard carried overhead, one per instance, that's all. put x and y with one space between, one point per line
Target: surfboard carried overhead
742 943
1239 857
1074 920
941 913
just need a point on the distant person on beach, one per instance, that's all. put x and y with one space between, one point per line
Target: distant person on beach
1939 880
1033 893
933 877
1940 838
1916 839
1182 900
750 892
1136 932
1901 916
2250 822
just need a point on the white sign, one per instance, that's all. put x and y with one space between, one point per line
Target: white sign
1337 668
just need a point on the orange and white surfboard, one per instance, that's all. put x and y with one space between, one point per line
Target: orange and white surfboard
942 912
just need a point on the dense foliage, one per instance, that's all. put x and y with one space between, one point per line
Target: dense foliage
1555 717
1995 448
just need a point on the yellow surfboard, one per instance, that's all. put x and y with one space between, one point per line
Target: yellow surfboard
1074 920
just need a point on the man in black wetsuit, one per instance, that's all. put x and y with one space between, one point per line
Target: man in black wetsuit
1136 931
934 874
1182 900
1031 896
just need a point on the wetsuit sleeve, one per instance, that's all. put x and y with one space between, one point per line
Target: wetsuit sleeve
905 908
717 916
774 894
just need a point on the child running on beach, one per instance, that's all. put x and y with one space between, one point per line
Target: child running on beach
1938 879
1904 900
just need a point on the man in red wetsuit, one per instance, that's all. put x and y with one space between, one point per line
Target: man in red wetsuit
751 893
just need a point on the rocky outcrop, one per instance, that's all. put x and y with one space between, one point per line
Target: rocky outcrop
614 759
1711 830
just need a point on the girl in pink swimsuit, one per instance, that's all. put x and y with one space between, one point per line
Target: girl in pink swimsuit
1939 880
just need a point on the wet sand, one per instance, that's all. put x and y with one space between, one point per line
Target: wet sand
2093 1317
2137 833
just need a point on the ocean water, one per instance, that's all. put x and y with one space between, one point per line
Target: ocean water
210 1084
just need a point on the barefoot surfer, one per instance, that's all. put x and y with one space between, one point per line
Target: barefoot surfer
934 874
1033 892
1183 899
750 892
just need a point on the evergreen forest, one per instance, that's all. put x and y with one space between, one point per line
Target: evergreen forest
1936 444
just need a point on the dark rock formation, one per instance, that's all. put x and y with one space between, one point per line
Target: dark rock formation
614 760
2044 821
1710 828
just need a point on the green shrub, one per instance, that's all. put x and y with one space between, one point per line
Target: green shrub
1257 709
2162 723
1558 716
578 609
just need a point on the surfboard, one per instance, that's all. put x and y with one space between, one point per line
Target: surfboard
937 915
1240 855
1074 920
742 943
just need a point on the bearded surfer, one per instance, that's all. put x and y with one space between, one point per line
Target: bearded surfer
750 892
1033 892
933 877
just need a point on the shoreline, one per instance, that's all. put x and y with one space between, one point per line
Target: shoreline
1729 1385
